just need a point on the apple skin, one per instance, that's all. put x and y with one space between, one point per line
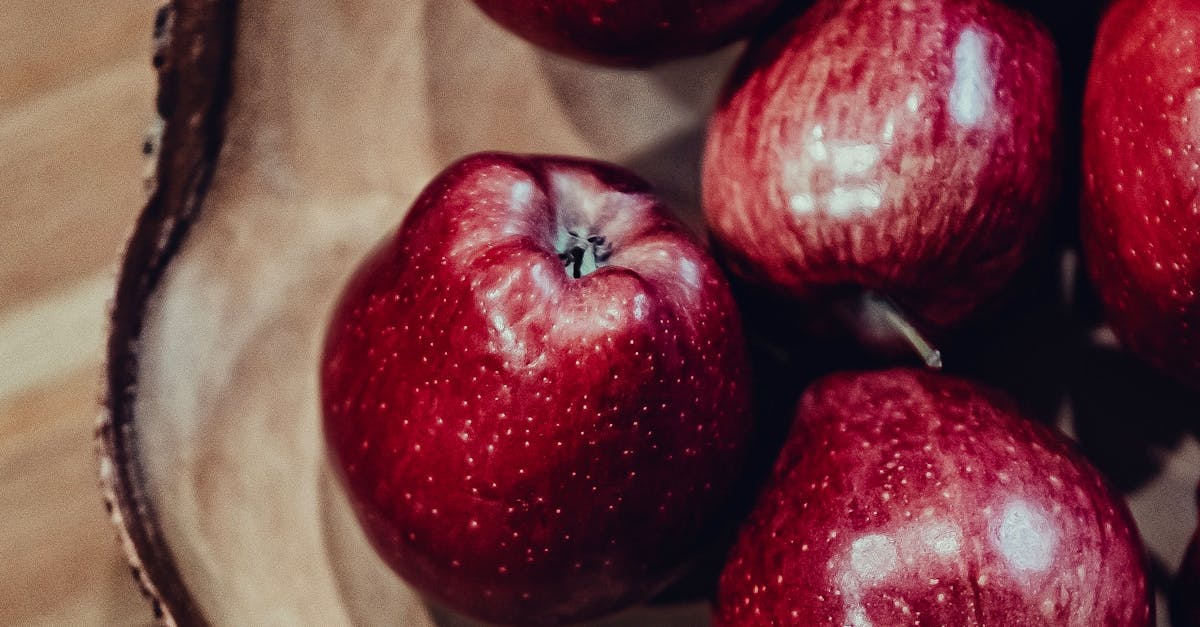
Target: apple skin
524 446
1140 223
629 32
908 147
905 497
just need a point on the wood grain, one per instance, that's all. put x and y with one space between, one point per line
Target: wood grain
76 96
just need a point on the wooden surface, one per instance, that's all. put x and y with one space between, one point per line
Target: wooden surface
76 95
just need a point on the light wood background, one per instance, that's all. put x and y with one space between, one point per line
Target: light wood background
76 95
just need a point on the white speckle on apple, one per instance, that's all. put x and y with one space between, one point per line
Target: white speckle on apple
843 202
971 93
1025 537
913 102
640 307
802 203
522 192
541 281
689 272
873 557
817 149
944 538
854 159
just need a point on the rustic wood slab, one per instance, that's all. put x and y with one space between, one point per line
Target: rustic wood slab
76 96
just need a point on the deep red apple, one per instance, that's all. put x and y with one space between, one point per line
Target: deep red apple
907 147
1141 209
909 498
629 32
536 392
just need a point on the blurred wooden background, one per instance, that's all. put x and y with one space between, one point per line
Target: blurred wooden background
76 94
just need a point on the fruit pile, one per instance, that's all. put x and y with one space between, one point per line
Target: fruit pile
547 398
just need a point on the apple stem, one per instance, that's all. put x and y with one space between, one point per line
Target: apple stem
582 255
573 259
877 306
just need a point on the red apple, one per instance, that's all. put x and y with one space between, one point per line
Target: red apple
1185 608
536 391
1141 209
629 32
909 498
906 147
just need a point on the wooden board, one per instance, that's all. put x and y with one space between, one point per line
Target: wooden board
76 96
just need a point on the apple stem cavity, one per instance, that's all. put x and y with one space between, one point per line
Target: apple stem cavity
582 255
878 321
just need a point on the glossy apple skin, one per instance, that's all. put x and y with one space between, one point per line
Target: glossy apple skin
522 445
629 32
905 498
1141 210
904 146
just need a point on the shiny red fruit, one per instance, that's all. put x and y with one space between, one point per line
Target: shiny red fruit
910 498
629 32
1141 165
903 146
536 392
